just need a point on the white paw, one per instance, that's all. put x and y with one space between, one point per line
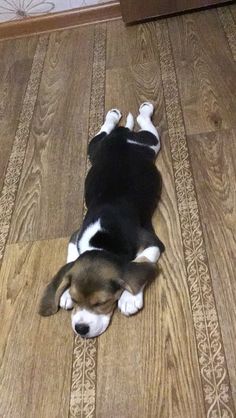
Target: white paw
114 116
130 304
72 252
146 109
65 300
130 122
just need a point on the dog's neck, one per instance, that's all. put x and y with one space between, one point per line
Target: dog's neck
106 229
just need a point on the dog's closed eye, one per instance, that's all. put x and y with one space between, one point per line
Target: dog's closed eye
97 304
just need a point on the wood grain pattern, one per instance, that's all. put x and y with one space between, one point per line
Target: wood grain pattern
213 162
15 67
133 70
212 361
152 366
229 26
21 137
142 83
205 70
130 45
35 352
49 202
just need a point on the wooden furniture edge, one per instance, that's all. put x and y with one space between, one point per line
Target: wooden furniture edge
190 9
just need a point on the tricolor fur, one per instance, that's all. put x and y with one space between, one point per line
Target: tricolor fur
112 256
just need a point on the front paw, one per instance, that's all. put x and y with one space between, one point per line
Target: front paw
65 300
130 304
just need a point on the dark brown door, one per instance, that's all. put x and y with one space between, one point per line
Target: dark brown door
135 10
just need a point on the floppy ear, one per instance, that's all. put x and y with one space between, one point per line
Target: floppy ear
137 274
50 300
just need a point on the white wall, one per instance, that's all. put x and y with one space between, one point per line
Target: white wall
19 9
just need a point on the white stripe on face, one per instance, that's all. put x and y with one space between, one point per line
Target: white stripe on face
97 323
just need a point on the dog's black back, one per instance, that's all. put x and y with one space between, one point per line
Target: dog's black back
124 172
122 188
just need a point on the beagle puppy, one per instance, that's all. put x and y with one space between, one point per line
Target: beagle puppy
113 256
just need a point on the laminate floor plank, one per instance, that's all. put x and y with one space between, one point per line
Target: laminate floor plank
214 167
133 70
142 82
15 66
206 72
130 45
36 352
50 196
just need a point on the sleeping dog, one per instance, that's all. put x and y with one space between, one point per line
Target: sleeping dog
112 256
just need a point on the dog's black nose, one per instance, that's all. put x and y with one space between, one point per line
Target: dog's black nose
82 329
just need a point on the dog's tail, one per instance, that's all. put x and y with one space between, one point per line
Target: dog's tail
130 122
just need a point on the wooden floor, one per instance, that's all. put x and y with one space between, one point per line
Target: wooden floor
176 358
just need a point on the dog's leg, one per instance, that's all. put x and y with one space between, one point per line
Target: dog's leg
149 254
65 300
112 119
144 120
128 303
72 254
130 122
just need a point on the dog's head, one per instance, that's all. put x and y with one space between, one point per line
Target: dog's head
95 282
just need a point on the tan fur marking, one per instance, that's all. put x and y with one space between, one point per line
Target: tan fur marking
141 259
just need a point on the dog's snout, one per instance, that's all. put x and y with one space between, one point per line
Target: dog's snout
82 329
